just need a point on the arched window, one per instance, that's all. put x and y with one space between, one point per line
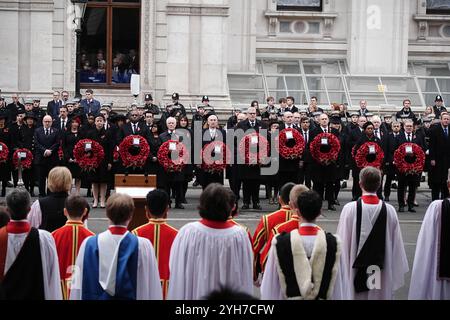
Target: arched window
110 43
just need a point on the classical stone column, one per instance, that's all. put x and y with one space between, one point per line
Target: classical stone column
378 39
197 50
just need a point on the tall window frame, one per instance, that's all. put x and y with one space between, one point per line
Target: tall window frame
434 7
110 5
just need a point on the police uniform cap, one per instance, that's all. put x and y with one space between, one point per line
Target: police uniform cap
438 98
148 97
354 113
28 101
175 96
316 114
205 98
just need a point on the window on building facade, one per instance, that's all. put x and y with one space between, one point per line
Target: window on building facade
438 7
299 5
110 42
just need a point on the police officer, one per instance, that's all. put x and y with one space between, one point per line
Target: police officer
438 107
149 106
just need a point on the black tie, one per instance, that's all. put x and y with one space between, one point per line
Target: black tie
306 137
252 124
46 132
63 124
409 137
134 128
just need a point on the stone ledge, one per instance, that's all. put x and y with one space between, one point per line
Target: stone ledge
197 10
432 17
301 14
35 5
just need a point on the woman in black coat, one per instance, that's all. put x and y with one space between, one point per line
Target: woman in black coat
188 170
69 140
102 174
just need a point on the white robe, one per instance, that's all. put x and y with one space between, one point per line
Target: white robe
270 285
395 262
49 257
424 282
148 282
202 259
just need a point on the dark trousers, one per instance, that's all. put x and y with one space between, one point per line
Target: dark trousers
320 187
387 185
27 177
439 191
285 177
337 188
43 170
404 183
356 189
184 189
250 189
177 187
304 175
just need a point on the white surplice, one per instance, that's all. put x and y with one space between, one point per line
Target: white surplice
395 261
148 282
49 258
35 215
424 281
202 259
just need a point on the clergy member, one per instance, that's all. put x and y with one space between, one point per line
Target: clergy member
373 259
430 278
211 253
116 264
302 263
69 238
159 232
287 226
28 259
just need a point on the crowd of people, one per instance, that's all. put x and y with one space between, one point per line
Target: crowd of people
215 257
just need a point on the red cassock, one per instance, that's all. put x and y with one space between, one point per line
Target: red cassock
161 235
263 230
287 226
68 240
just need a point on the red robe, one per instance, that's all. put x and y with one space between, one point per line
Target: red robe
161 235
68 240
263 230
287 226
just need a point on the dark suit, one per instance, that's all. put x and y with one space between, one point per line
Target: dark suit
404 180
173 180
352 139
250 174
57 124
206 178
323 176
43 163
53 108
440 153
288 168
304 172
389 168
92 106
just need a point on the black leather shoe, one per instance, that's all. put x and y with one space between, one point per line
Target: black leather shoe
411 209
245 207
257 207
401 209
332 208
179 206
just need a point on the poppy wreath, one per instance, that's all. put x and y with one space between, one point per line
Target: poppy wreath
250 157
4 152
209 152
25 162
364 159
290 148
409 163
134 155
173 165
91 159
325 154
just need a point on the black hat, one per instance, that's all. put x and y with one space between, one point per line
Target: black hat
175 96
205 98
2 98
3 115
335 120
37 100
438 98
368 123
354 113
20 110
118 117
30 115
148 97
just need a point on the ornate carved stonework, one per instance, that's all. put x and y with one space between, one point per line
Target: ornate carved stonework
273 22
327 27
198 10
423 30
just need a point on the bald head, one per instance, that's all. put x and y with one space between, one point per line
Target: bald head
171 123
47 122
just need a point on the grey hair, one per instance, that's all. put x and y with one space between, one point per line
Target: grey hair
370 179
18 202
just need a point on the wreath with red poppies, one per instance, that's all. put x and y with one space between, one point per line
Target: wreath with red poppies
290 148
88 159
323 153
210 156
412 162
4 152
365 159
165 153
26 158
134 151
247 149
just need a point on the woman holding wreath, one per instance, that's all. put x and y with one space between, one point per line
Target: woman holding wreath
102 175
